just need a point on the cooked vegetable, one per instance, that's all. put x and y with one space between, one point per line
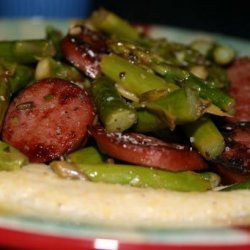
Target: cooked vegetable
26 51
113 111
132 77
89 155
11 158
66 170
55 36
205 136
238 186
179 107
138 176
148 122
49 67
4 97
19 76
218 97
185 78
114 25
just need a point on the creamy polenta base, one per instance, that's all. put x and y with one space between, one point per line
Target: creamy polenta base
35 191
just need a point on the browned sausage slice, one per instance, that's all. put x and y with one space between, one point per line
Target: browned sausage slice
145 150
48 119
83 47
239 75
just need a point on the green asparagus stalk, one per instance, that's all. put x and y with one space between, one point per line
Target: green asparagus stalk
217 77
205 136
148 122
114 25
179 107
18 75
139 176
55 36
237 186
134 52
184 78
174 74
11 158
176 54
171 73
4 97
22 76
49 67
114 112
26 51
89 155
131 77
216 96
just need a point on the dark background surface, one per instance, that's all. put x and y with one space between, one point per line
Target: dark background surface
225 17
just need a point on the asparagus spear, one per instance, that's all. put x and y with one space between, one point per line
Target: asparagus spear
134 52
176 54
217 77
205 136
18 75
179 107
114 25
114 112
89 155
132 77
26 51
22 76
49 67
4 97
139 176
238 186
148 122
218 97
184 78
174 74
11 158
171 73
55 36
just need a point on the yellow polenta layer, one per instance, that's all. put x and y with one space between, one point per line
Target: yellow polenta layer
37 192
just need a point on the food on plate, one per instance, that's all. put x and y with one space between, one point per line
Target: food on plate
107 121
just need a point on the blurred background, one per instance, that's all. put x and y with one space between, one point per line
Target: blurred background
226 17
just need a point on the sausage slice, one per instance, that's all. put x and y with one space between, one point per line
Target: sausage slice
48 119
239 75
